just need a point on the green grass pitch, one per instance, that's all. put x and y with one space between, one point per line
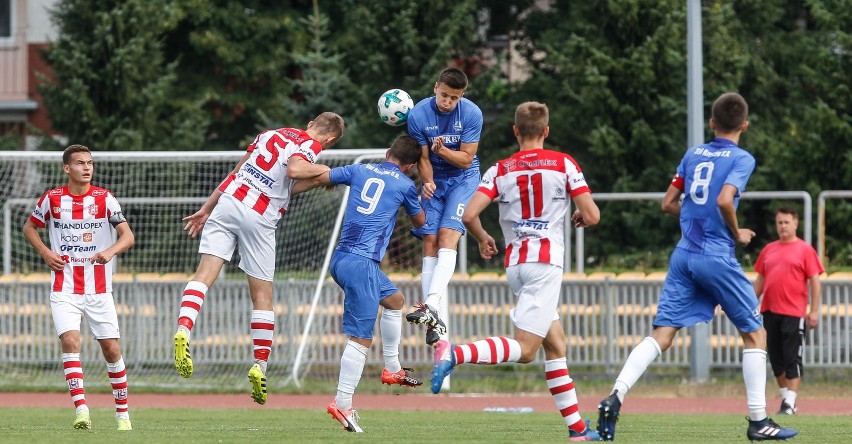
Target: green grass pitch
53 425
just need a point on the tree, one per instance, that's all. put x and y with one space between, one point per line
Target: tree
397 44
321 82
236 57
111 87
791 61
614 77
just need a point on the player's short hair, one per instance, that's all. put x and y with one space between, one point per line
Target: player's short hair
329 124
66 155
406 150
788 210
531 119
453 77
729 112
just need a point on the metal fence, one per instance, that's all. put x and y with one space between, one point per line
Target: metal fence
604 318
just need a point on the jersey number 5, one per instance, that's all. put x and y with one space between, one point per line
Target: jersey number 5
271 146
531 195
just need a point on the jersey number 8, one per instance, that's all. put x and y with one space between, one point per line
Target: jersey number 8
698 191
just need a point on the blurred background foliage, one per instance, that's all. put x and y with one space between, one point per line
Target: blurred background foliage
205 75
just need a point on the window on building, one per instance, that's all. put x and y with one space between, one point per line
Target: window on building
5 19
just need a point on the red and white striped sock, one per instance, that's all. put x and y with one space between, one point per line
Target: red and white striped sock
190 304
562 389
74 378
118 379
488 351
262 330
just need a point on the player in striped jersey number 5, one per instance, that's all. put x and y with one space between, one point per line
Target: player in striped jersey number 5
242 213
533 188
80 219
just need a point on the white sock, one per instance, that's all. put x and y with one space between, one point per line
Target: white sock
791 398
429 263
262 332
637 362
754 376
783 392
351 368
444 270
117 373
391 330
190 304
185 330
480 352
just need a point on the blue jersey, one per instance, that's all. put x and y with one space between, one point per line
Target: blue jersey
701 174
375 195
461 125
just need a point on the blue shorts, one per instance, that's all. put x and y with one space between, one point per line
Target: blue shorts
364 285
445 208
697 283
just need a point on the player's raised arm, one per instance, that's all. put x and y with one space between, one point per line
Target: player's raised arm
195 222
298 168
462 158
304 185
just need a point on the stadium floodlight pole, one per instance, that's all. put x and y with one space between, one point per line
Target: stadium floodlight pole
699 347
338 222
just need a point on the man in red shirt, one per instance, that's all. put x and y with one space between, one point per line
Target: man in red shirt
785 269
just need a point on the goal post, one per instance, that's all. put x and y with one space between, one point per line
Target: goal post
156 190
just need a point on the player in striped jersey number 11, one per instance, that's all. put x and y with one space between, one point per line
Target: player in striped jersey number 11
533 188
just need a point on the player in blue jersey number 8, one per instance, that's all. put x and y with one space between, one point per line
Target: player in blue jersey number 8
703 270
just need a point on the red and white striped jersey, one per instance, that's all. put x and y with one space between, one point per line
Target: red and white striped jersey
533 188
79 227
262 183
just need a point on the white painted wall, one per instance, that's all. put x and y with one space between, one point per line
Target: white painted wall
39 27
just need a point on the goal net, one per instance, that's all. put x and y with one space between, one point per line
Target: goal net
156 190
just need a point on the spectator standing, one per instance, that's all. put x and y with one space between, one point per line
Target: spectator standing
786 269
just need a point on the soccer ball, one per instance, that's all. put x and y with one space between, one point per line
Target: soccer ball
393 106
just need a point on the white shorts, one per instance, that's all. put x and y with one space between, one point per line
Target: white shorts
537 287
68 310
231 224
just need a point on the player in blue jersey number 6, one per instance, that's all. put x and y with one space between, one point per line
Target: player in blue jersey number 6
447 126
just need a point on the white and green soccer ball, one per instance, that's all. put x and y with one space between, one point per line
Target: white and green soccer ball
394 106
